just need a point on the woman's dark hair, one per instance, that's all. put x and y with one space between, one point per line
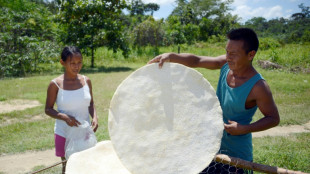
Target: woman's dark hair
247 35
69 51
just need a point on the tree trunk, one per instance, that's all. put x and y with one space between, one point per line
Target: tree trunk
92 57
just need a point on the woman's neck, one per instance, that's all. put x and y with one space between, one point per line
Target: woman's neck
69 77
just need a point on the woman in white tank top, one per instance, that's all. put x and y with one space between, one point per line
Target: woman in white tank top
72 94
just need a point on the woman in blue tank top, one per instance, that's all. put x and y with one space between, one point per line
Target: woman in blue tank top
241 90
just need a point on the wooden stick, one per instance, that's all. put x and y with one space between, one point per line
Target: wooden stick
237 162
48 167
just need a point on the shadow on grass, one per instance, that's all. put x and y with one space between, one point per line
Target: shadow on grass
105 69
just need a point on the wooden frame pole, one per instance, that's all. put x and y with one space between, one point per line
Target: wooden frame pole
237 162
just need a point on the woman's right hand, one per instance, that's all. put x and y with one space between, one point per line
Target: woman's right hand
71 121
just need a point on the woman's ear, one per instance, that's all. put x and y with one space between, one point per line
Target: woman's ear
62 62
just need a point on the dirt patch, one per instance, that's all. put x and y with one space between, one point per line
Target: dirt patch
24 162
17 105
283 130
7 121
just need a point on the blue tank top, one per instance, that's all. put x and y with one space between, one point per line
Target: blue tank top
232 101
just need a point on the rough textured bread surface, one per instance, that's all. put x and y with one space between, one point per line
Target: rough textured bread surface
166 121
100 159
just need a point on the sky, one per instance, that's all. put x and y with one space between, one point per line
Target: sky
246 9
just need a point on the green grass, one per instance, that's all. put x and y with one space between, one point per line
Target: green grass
54 170
290 152
291 92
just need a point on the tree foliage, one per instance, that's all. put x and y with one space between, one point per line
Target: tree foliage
27 37
292 30
137 7
200 20
91 24
32 32
149 32
151 7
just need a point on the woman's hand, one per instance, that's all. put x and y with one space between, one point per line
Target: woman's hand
94 124
71 121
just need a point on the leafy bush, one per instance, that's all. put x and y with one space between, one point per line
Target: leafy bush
268 42
27 37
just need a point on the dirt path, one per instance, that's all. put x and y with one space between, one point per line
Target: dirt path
24 162
16 105
283 131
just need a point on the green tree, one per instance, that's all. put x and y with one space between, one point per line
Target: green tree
91 24
210 8
183 11
289 30
299 25
305 12
149 32
136 7
27 37
151 7
206 18
306 36
191 33
259 24
175 31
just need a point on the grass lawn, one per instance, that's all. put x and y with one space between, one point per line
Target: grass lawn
291 92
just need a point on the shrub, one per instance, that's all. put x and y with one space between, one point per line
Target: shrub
268 42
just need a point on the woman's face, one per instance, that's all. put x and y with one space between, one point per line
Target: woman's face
73 64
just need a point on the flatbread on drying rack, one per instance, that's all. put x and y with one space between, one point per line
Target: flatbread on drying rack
166 121
100 159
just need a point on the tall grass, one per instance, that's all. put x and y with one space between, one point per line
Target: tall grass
290 56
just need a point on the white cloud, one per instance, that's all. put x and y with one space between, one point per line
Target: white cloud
273 12
237 3
246 12
159 2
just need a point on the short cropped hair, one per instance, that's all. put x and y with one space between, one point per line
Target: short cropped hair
247 35
69 51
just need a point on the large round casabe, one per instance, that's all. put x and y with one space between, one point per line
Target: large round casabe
166 121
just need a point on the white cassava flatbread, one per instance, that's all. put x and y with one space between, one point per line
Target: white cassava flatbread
166 121
100 159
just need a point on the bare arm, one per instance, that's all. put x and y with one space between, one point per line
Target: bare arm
264 100
268 108
91 108
52 91
191 60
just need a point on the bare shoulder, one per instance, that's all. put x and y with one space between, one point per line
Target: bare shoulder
52 88
87 79
58 80
262 89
